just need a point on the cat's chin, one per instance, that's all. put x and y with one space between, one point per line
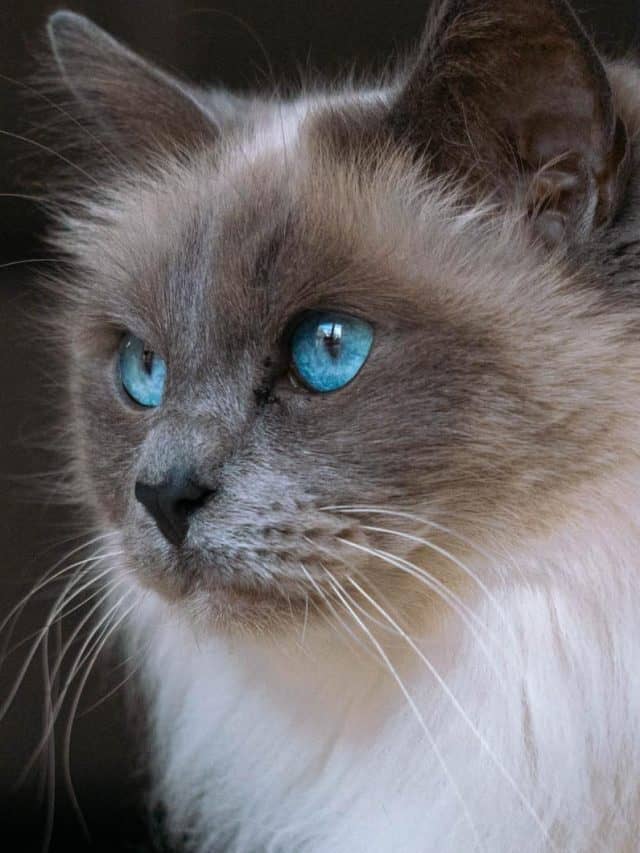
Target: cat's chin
235 610
228 607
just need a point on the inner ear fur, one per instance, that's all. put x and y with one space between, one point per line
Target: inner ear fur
136 107
512 96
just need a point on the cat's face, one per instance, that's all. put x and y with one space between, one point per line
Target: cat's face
482 394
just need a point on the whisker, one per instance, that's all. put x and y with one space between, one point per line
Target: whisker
327 618
54 676
467 616
50 771
469 722
372 619
374 510
13 617
327 601
39 199
107 591
52 615
437 549
50 150
346 598
66 114
66 753
120 684
48 577
306 619
64 614
29 261
34 648
85 652
422 574
223 13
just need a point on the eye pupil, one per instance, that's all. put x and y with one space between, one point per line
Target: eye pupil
147 361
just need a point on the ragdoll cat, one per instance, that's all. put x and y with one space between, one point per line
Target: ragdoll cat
354 402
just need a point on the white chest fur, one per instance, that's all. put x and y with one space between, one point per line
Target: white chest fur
528 743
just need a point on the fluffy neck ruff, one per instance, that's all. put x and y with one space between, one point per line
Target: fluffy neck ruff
511 727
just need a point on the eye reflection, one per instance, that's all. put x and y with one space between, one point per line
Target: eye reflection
331 335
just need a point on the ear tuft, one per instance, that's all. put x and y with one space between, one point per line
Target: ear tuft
136 106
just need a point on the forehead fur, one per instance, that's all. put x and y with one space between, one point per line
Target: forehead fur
370 230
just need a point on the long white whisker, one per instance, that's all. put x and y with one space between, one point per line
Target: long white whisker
453 559
431 582
469 722
120 684
104 592
14 614
64 614
56 709
327 601
468 617
34 648
438 549
345 598
50 150
38 199
49 578
77 664
306 619
23 261
373 620
66 114
50 619
50 769
102 641
86 650
353 509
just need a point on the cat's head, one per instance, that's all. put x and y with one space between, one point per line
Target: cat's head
309 340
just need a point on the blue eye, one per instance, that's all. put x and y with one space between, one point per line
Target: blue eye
142 372
328 350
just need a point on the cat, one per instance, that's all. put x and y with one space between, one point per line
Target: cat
353 394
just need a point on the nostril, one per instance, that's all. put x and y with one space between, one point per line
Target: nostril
172 502
185 507
193 496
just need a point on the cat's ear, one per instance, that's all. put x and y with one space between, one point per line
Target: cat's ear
512 95
136 108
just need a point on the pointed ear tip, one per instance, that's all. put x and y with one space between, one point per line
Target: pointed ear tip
64 23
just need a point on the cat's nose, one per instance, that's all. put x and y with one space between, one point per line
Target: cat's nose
172 502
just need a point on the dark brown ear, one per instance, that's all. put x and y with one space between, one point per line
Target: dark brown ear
137 107
512 95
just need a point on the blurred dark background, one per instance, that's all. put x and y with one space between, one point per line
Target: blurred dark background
242 44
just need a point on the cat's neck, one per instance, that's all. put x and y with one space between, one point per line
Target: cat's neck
266 713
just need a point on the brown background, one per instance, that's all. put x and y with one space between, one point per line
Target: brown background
228 44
